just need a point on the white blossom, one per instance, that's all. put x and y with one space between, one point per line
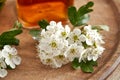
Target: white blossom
92 36
56 61
95 53
64 32
58 45
91 53
52 45
76 37
10 55
73 51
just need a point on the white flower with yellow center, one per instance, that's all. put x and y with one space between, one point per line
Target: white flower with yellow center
51 30
61 60
64 32
52 45
76 37
48 61
10 55
73 51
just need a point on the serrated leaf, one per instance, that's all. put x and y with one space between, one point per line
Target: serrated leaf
80 17
86 67
75 63
11 33
8 37
90 4
9 41
93 63
43 24
85 9
82 20
72 15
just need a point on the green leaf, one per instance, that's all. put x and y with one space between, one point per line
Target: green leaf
85 9
82 20
34 33
72 14
86 66
7 40
75 63
94 63
8 37
43 24
11 33
80 17
90 4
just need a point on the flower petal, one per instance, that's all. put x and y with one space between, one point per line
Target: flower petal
4 53
77 31
12 65
16 60
52 23
13 51
7 48
8 61
3 73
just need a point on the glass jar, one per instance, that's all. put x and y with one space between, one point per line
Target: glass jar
32 11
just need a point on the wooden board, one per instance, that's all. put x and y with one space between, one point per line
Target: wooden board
105 12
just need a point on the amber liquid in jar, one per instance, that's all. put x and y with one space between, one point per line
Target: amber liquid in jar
32 11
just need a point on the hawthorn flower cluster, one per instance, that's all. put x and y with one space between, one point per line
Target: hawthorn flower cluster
8 58
59 45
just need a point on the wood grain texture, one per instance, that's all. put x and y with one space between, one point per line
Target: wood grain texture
105 12
115 74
